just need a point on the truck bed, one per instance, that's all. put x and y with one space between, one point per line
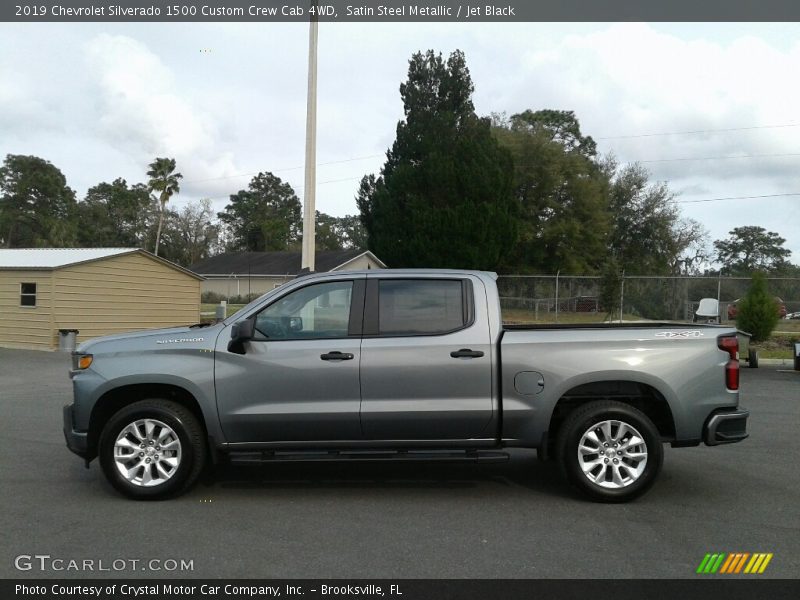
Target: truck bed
624 325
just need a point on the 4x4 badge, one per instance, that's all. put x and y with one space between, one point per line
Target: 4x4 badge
680 334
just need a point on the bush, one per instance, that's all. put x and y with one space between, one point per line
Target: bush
215 298
211 298
243 299
757 312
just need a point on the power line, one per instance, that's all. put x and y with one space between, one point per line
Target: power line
738 198
696 131
691 158
300 187
642 135
613 137
333 162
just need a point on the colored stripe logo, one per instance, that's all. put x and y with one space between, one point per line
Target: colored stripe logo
734 563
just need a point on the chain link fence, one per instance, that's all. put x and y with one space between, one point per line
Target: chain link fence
586 299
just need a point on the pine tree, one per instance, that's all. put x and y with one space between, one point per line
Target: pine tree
757 312
444 197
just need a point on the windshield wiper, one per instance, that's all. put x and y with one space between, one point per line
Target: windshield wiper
199 325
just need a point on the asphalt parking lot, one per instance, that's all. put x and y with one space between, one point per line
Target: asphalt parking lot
515 520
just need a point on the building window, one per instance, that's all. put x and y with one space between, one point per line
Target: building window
27 294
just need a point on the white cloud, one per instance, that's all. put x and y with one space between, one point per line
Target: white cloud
142 110
138 102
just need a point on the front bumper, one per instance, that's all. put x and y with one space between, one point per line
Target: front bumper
76 440
726 426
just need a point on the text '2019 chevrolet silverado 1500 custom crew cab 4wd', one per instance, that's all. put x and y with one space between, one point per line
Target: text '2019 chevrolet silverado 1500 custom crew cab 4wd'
400 364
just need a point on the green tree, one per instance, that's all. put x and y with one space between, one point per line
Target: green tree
164 181
561 191
338 233
648 235
444 196
194 233
559 126
265 216
353 232
610 288
327 233
115 215
751 248
37 208
757 312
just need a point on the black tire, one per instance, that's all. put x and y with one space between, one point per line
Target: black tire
580 421
752 359
183 423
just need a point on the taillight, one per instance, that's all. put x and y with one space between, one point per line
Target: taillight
730 344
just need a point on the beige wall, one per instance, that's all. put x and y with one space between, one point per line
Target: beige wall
360 263
231 286
123 293
25 326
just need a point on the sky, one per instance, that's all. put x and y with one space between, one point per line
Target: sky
100 101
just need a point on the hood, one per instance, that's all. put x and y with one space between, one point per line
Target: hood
154 338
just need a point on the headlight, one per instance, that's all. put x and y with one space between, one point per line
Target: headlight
81 361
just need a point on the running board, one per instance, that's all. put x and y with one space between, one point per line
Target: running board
269 456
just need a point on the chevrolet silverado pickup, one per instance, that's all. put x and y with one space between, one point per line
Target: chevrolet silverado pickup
400 365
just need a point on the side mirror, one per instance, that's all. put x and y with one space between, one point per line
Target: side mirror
241 332
295 324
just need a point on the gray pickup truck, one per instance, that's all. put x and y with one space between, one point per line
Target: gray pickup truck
400 365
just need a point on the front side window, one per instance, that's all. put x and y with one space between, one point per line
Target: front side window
27 296
422 307
315 311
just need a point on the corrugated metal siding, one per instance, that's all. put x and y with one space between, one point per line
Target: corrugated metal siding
24 326
123 293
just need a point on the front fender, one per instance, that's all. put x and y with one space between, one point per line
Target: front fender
190 369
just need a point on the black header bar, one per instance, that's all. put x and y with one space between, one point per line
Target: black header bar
395 11
749 587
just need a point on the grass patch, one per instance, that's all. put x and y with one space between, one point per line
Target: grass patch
792 325
777 346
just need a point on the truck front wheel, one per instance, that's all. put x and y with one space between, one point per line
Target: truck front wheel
610 451
152 449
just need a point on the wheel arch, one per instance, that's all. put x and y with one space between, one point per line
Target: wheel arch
111 401
643 396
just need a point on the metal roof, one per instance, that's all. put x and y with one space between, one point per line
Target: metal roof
53 258
56 258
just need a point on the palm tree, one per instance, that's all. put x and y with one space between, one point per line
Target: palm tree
163 180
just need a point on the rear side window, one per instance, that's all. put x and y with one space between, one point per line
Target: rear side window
27 296
422 306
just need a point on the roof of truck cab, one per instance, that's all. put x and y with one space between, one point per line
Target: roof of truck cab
403 272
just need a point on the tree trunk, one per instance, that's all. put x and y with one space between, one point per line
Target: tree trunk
160 223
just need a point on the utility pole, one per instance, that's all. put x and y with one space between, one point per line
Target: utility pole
309 188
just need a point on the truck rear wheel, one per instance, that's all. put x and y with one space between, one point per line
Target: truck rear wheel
152 449
610 451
